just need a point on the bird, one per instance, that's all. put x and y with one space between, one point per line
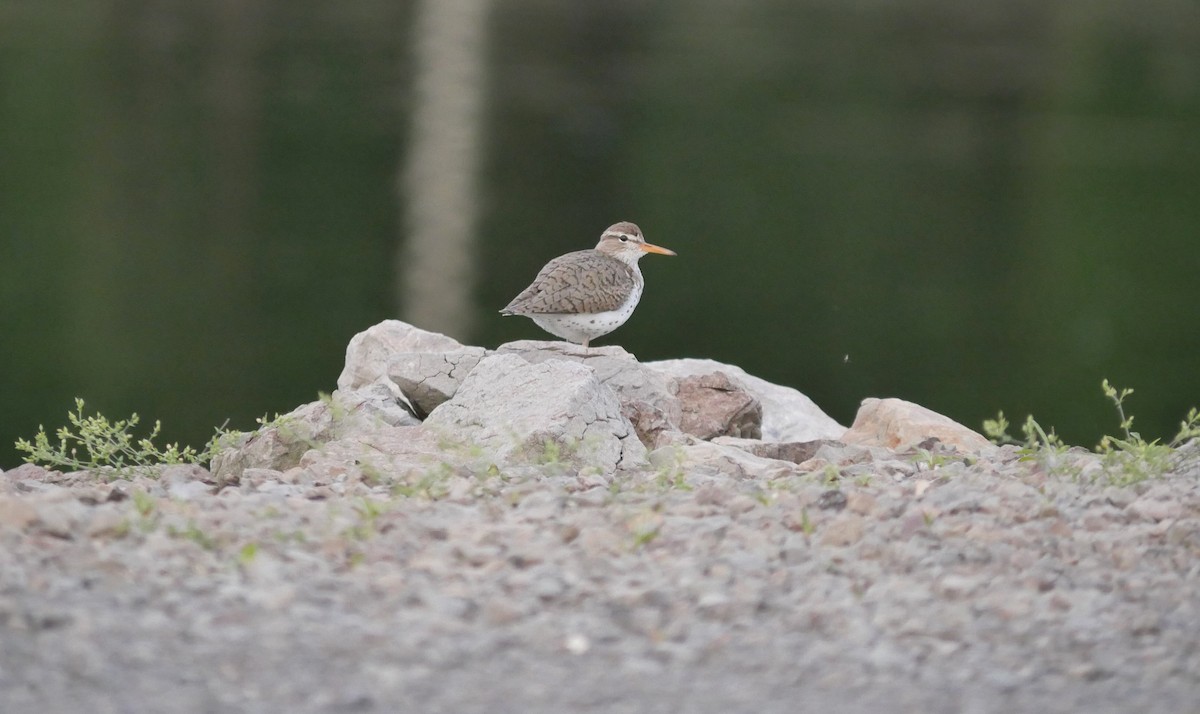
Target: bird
588 293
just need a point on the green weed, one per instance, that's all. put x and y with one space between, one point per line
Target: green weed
247 554
93 443
1126 459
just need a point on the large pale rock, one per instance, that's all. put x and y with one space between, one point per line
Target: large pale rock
426 367
715 405
788 415
647 396
899 425
280 444
520 412
370 350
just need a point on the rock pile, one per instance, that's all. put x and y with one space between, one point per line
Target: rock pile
411 402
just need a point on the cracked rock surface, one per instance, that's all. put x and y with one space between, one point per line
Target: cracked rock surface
425 367
511 407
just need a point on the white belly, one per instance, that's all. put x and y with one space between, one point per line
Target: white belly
589 326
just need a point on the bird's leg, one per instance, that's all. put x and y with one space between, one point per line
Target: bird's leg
585 342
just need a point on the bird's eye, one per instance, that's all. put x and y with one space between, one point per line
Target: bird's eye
624 239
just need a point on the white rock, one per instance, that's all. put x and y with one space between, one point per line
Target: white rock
370 352
425 367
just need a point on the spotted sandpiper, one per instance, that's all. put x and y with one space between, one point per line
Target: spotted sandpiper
583 295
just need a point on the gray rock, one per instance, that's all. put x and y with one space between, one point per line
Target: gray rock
555 410
788 415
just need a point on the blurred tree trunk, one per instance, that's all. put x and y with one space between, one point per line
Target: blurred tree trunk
440 188
236 93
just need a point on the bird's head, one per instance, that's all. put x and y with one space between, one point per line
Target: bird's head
624 242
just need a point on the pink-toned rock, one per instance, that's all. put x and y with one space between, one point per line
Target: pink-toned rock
28 472
898 425
715 405
861 503
16 513
845 529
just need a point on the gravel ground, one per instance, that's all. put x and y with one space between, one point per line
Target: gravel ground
991 587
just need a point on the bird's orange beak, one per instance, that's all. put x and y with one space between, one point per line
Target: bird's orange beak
651 248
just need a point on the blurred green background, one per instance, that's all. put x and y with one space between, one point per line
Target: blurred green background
974 206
